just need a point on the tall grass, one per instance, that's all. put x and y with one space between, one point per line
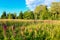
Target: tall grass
30 31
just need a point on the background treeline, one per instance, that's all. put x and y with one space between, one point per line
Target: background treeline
41 12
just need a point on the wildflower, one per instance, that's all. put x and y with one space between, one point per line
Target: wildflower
4 29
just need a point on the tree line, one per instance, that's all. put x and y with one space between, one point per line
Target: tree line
41 12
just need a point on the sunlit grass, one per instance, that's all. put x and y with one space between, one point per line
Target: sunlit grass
30 31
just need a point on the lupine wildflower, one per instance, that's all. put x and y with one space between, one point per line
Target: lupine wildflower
4 29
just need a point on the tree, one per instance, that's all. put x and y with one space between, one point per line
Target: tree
28 15
9 16
14 16
55 10
41 12
20 15
37 11
55 7
3 16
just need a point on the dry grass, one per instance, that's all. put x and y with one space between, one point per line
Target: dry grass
22 20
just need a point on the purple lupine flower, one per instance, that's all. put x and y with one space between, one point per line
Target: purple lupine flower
4 29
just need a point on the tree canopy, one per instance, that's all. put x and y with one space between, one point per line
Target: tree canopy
41 12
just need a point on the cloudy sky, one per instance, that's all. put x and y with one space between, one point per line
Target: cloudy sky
18 5
31 4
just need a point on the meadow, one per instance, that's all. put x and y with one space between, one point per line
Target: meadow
41 23
30 30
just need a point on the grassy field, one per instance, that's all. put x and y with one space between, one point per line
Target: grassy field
13 29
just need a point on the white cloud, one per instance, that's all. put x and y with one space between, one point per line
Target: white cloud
48 2
31 4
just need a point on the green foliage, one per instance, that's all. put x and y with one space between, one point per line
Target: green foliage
37 31
28 15
41 12
9 16
55 10
55 7
14 16
3 16
20 15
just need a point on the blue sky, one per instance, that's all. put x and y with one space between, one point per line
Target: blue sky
22 5
12 6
